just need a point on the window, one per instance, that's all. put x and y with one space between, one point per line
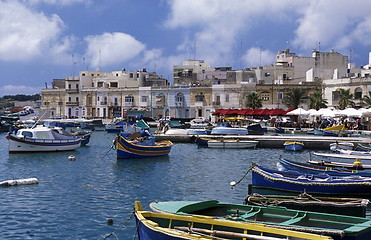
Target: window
69 86
115 101
227 97
77 86
131 75
280 95
77 99
114 84
100 84
69 99
179 98
144 98
200 98
129 99
335 95
358 93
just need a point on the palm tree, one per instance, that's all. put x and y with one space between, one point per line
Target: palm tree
317 101
294 97
345 97
366 100
254 101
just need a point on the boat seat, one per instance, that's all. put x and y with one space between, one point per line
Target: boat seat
297 218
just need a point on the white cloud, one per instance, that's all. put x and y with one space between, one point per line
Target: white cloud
14 90
217 24
26 34
57 2
332 22
257 57
112 48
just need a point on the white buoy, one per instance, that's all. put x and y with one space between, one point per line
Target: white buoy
25 181
233 183
71 158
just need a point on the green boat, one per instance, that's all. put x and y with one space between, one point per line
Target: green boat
335 226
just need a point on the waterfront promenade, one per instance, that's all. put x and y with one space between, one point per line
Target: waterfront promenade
273 141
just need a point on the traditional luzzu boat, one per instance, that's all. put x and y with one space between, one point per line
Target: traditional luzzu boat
305 202
289 165
41 139
141 147
231 143
324 184
293 146
165 226
335 131
331 225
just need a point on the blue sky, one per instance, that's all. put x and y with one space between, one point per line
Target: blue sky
45 39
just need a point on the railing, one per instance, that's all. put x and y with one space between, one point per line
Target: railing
72 103
72 90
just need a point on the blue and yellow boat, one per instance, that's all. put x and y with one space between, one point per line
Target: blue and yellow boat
142 147
293 146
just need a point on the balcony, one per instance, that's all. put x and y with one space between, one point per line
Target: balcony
129 104
103 103
217 103
179 104
72 103
71 90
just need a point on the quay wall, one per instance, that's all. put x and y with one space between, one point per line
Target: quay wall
270 141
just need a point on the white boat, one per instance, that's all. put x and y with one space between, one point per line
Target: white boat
341 157
232 143
41 139
341 145
224 128
176 131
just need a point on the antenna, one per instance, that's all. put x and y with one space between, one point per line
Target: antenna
194 51
260 56
100 60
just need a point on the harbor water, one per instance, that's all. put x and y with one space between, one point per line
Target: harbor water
93 196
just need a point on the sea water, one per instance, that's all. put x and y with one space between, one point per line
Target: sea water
93 196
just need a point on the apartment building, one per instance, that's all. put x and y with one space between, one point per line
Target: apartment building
198 90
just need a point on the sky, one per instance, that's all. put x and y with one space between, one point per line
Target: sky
42 40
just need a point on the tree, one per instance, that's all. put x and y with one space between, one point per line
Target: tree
294 97
366 100
254 101
316 100
345 97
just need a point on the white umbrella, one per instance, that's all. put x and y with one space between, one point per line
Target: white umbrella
352 112
366 112
298 112
326 113
313 113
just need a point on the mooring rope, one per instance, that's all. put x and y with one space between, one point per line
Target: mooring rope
233 184
117 229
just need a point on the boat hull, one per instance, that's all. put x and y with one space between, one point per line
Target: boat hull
293 146
334 225
233 144
21 145
285 164
290 181
128 149
229 131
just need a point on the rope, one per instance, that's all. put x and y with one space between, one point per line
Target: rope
117 229
252 165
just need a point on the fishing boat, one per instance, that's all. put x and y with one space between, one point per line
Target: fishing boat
306 202
341 145
351 166
335 131
141 147
363 147
324 184
85 135
286 164
41 139
231 143
225 128
332 225
256 129
165 226
293 146
349 158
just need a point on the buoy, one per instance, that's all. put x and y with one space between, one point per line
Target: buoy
233 183
357 163
71 158
110 222
25 181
